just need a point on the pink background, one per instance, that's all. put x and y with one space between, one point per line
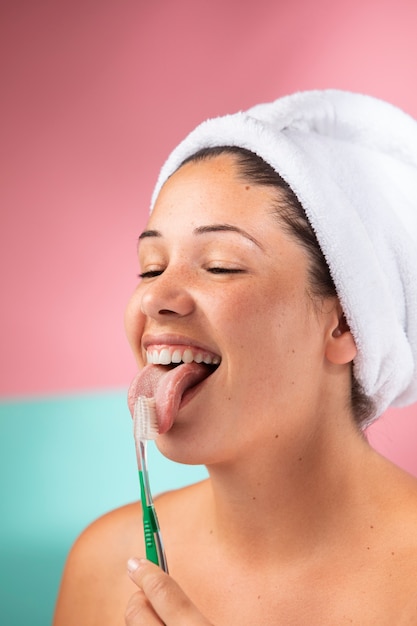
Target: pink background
95 93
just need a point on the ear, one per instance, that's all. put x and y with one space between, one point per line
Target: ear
340 347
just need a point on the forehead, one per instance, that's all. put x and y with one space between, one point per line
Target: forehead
214 190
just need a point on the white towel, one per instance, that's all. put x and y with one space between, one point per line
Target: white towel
352 162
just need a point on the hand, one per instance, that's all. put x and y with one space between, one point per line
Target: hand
159 600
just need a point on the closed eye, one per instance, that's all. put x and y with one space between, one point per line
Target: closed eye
150 274
212 270
224 270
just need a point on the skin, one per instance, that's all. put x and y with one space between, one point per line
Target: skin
300 522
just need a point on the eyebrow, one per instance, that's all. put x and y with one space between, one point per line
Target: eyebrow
214 228
149 233
209 228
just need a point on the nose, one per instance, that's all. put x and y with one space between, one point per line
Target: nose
167 295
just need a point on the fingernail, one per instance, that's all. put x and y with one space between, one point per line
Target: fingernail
133 564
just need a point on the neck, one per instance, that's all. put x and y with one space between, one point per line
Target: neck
291 501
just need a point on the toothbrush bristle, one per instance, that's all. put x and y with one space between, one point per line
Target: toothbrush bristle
144 419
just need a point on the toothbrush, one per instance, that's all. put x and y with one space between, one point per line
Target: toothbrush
145 428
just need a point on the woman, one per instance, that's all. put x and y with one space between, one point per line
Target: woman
300 521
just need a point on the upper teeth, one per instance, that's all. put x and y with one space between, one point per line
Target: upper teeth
165 356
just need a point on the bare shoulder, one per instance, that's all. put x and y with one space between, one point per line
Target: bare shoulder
396 539
395 491
95 587
94 583
107 538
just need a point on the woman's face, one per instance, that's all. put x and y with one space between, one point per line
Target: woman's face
220 276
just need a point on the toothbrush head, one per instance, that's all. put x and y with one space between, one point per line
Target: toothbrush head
145 424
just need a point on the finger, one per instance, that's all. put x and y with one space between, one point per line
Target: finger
139 611
168 600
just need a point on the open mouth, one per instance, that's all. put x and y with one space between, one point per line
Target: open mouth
201 364
172 376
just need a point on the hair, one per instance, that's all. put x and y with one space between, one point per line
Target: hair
290 213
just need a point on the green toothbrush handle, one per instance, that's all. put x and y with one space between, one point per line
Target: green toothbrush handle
153 542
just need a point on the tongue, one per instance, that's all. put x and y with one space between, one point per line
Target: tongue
167 386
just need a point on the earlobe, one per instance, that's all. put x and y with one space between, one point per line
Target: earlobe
341 347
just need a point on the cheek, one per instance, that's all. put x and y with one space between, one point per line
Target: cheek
250 322
268 329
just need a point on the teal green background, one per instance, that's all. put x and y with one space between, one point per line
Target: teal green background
63 462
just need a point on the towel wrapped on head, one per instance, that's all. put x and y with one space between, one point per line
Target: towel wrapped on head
352 162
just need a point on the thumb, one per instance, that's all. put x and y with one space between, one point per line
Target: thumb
167 599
